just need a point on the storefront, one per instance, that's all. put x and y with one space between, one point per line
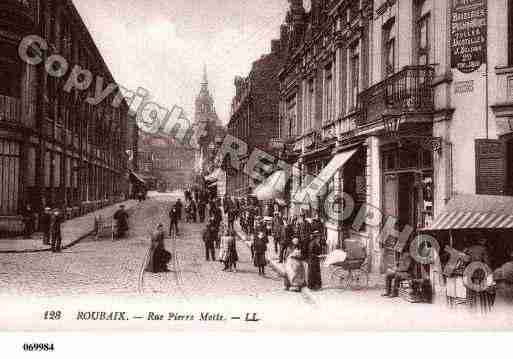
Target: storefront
407 190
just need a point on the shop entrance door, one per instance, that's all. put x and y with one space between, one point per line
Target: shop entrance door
407 212
390 208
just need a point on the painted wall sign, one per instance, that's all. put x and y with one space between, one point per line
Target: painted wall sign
468 34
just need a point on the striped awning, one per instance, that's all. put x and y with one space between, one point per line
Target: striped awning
476 212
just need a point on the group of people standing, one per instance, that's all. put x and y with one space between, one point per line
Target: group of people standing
49 223
298 242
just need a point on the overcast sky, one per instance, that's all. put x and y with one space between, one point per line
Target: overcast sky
162 45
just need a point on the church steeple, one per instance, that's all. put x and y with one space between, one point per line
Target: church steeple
205 79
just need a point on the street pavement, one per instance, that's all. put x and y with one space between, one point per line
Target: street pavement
94 269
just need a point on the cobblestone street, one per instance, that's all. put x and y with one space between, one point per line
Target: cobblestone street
115 268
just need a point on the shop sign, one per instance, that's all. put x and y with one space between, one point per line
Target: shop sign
468 34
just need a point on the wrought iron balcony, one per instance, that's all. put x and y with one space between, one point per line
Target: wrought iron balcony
407 91
10 109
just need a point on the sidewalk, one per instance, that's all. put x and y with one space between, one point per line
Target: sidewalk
73 231
376 281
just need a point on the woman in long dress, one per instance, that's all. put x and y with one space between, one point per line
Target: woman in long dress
159 257
314 264
295 269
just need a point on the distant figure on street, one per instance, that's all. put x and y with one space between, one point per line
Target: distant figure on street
58 220
45 225
173 220
121 218
209 238
314 263
201 211
194 211
260 247
179 208
277 229
295 268
232 215
28 220
159 257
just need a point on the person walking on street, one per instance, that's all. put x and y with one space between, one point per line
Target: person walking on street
260 247
58 220
121 218
277 229
194 216
173 221
286 239
179 208
228 253
201 211
209 237
45 225
232 214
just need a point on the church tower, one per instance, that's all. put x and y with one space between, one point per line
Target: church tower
208 125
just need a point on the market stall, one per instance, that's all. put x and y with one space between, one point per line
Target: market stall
474 236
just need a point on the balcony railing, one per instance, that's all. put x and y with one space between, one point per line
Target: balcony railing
10 109
409 90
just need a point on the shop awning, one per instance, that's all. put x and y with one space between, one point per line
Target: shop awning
309 193
214 176
476 212
272 188
134 177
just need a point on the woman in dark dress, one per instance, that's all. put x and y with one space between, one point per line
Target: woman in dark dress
314 265
159 256
260 247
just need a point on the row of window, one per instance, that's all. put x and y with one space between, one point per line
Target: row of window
312 114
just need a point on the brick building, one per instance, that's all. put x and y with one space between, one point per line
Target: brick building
56 149
254 114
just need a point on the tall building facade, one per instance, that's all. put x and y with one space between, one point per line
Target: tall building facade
166 164
254 114
402 105
56 149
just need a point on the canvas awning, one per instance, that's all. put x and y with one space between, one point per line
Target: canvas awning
134 177
309 194
214 176
476 212
273 187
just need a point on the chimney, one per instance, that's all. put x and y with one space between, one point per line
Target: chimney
297 14
316 11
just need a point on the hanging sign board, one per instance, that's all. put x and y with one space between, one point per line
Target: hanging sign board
468 34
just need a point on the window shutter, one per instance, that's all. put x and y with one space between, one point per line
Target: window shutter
490 167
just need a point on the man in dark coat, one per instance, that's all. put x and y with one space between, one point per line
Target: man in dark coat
45 225
288 233
121 217
209 238
58 220
201 210
304 231
179 208
173 221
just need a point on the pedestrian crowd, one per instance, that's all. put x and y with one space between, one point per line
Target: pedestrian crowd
298 242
